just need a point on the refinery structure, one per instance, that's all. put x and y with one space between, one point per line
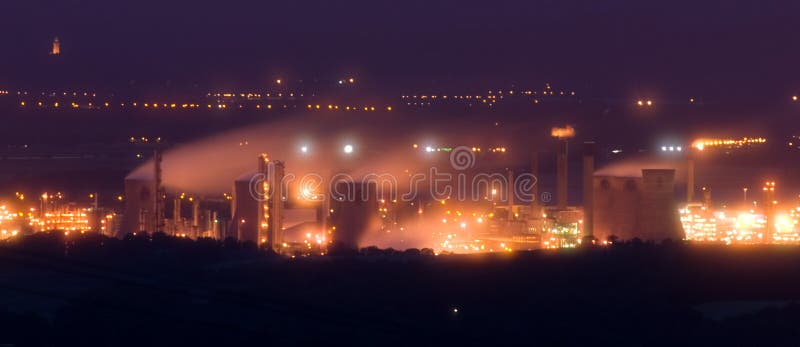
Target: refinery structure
649 203
263 209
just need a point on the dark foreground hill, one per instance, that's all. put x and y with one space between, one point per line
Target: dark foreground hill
163 291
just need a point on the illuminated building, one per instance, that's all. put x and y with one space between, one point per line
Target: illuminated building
9 223
699 223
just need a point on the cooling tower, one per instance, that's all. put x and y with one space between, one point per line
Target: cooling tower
659 218
139 206
616 206
354 205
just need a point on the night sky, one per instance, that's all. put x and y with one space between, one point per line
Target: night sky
613 49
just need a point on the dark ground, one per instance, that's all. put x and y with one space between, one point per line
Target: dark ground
163 291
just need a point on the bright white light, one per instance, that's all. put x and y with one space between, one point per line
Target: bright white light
663 148
679 148
671 149
348 149
428 149
304 149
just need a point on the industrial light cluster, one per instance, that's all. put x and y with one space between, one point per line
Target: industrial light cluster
702 144
53 217
347 108
671 148
430 149
740 226
491 94
254 95
8 227
219 106
489 99
144 139
765 223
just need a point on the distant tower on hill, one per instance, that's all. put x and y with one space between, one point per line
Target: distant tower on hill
56 47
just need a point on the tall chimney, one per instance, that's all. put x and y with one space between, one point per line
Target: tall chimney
535 187
215 231
690 178
195 217
510 189
263 222
510 198
561 173
588 189
158 215
275 237
769 211
176 214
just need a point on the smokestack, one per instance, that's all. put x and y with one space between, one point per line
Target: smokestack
275 237
535 188
562 134
510 190
769 211
176 212
510 198
195 217
690 178
158 215
588 189
215 231
561 173
263 204
207 224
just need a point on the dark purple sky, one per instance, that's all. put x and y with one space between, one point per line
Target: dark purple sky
609 48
